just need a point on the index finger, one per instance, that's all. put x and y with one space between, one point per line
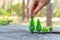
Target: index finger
31 7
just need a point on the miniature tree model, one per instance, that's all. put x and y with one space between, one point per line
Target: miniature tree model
44 29
31 26
50 28
38 26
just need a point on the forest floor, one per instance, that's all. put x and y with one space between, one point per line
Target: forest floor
21 32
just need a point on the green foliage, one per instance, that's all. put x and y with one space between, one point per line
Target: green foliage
31 26
18 9
50 28
44 29
5 21
7 13
1 12
15 7
56 12
38 27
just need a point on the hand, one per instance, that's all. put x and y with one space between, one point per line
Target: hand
36 5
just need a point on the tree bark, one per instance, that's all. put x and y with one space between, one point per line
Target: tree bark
49 14
27 10
23 10
42 13
18 8
18 11
3 7
11 9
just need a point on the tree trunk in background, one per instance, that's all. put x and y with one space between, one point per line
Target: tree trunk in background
27 10
42 13
11 9
18 11
18 8
59 13
49 14
3 7
23 10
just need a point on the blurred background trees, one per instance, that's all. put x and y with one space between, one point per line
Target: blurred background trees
18 10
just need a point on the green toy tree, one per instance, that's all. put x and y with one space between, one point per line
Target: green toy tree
50 28
44 29
38 26
31 26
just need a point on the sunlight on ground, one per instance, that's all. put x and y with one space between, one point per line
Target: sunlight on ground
55 21
16 20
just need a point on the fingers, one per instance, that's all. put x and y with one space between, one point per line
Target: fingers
30 13
31 7
41 4
39 7
35 6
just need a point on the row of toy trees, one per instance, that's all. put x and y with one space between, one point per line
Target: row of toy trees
38 27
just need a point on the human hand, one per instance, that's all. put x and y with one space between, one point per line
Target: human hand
36 5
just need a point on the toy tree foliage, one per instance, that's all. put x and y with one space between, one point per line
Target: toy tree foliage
31 26
50 28
44 29
38 26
